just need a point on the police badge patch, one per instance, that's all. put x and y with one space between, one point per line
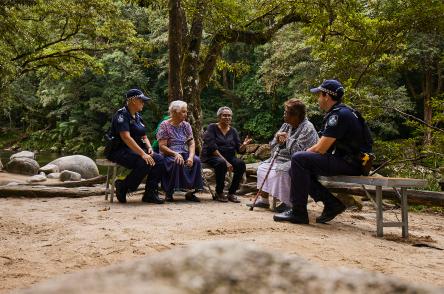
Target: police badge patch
332 120
120 119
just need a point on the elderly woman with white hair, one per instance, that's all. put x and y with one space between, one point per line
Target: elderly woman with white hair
176 143
220 144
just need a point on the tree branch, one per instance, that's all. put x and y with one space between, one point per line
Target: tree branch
412 117
77 29
60 54
248 37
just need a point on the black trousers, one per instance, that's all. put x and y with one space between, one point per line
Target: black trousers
139 168
220 169
304 172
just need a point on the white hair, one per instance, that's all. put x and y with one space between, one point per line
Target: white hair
176 106
220 110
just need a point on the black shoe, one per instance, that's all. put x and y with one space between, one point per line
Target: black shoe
282 208
233 198
259 204
169 197
331 211
152 196
189 196
120 191
220 197
299 217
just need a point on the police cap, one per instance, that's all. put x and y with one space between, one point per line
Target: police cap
136 93
332 87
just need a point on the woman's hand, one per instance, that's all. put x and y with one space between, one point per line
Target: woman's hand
229 166
189 161
148 159
179 159
281 137
247 140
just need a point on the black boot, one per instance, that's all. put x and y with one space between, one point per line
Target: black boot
152 196
169 196
332 208
295 216
190 196
120 191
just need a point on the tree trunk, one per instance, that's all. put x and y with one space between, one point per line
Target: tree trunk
428 107
174 52
190 75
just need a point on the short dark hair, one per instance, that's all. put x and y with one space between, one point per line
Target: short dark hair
296 107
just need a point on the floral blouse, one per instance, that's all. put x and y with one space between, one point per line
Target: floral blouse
176 136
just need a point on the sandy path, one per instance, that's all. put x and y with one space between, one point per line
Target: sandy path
42 238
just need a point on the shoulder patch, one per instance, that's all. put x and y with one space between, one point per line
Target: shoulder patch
332 120
120 118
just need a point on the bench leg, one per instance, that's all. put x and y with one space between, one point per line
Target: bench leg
113 179
404 213
108 176
379 216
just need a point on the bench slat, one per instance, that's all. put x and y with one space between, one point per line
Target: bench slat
377 181
105 162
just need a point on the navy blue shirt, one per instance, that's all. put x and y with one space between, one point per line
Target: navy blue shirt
342 123
124 122
214 139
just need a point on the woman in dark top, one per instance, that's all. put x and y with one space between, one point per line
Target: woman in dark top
221 142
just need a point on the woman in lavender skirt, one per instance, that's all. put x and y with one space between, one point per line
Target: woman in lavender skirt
176 143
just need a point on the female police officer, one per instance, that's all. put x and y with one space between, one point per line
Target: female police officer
132 149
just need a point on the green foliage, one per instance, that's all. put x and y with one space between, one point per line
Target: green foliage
259 126
59 37
65 66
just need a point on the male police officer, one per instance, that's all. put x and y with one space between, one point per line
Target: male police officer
132 149
344 138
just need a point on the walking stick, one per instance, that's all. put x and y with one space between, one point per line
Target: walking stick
266 176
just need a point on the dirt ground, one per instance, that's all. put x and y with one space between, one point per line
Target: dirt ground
45 237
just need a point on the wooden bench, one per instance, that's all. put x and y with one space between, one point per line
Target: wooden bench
402 183
111 174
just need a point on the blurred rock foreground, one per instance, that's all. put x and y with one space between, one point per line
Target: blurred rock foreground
225 267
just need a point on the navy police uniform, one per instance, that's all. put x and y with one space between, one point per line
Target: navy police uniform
123 155
343 157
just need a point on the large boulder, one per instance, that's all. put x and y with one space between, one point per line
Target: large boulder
263 152
25 154
23 166
225 267
81 164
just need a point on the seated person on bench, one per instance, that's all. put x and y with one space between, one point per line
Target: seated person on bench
220 144
132 149
296 134
176 143
345 139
